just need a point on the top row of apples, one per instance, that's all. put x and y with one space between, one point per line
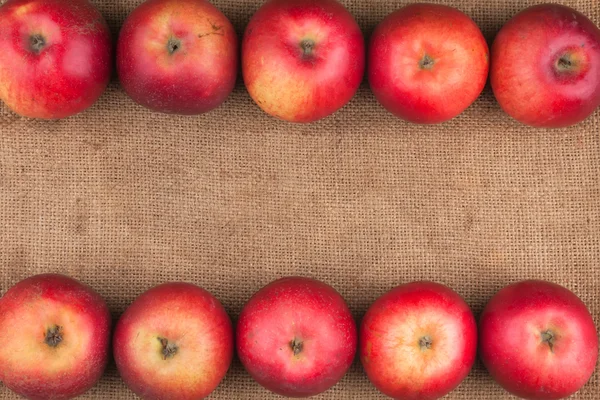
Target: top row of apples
301 60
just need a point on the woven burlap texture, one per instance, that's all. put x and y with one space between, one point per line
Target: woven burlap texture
124 199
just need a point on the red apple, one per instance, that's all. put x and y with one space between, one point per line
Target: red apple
546 66
418 341
302 60
427 63
55 337
296 337
174 342
538 340
55 57
177 56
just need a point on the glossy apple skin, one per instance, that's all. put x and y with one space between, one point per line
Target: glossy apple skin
304 310
437 93
284 81
31 367
195 78
513 350
390 335
525 76
189 318
69 73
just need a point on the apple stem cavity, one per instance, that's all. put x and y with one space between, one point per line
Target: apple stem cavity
173 45
37 43
53 336
549 338
296 346
425 343
168 349
307 46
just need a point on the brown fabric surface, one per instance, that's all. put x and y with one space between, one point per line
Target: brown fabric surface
124 199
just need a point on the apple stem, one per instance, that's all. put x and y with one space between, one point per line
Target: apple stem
307 47
37 43
565 63
425 343
173 45
53 336
548 337
426 62
296 346
168 349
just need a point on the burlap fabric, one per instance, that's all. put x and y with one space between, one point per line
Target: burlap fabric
124 199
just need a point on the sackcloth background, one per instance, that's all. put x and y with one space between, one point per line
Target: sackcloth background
124 199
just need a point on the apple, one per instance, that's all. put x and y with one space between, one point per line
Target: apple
427 63
296 337
175 341
302 60
55 58
418 341
177 56
546 66
538 340
56 336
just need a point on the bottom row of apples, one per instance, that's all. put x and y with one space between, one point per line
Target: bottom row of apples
296 337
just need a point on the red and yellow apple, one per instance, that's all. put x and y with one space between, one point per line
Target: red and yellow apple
177 56
296 337
418 341
56 334
546 66
175 341
538 340
55 57
302 60
427 63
